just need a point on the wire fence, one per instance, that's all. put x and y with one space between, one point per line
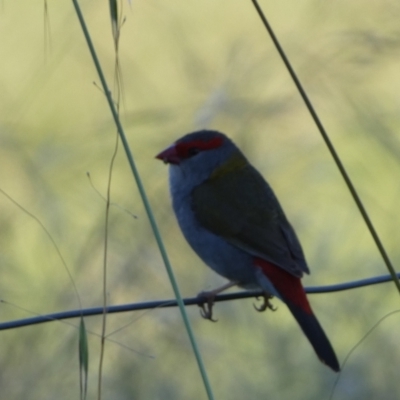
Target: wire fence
190 301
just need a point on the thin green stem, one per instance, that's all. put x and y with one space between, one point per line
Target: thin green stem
145 203
330 146
52 240
105 257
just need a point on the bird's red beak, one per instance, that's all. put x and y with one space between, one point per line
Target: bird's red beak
169 155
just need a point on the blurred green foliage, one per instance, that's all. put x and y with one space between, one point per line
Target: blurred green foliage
185 66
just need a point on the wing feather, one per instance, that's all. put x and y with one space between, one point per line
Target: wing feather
260 229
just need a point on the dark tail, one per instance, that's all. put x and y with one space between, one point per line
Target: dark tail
316 335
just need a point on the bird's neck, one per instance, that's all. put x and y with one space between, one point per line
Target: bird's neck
235 163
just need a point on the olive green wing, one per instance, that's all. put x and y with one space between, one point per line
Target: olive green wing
241 207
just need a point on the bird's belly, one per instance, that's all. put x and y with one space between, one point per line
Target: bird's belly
224 258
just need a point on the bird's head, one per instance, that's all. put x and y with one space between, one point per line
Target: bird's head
193 146
196 156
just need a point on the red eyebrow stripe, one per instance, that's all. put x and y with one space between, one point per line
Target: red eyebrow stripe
183 147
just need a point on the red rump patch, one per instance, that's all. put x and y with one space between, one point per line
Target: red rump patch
288 286
188 149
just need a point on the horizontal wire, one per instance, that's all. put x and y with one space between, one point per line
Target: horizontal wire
87 312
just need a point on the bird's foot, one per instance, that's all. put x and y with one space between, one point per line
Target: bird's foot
266 304
206 302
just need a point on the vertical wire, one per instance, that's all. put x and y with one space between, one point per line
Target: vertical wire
330 146
145 203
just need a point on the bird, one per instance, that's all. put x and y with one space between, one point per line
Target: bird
232 219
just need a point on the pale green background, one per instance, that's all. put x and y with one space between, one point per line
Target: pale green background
187 65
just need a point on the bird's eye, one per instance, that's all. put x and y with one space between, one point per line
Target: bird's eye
192 151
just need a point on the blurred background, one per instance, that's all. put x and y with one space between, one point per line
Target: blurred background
185 66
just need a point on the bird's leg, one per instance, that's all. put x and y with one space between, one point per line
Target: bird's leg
206 300
206 306
266 304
